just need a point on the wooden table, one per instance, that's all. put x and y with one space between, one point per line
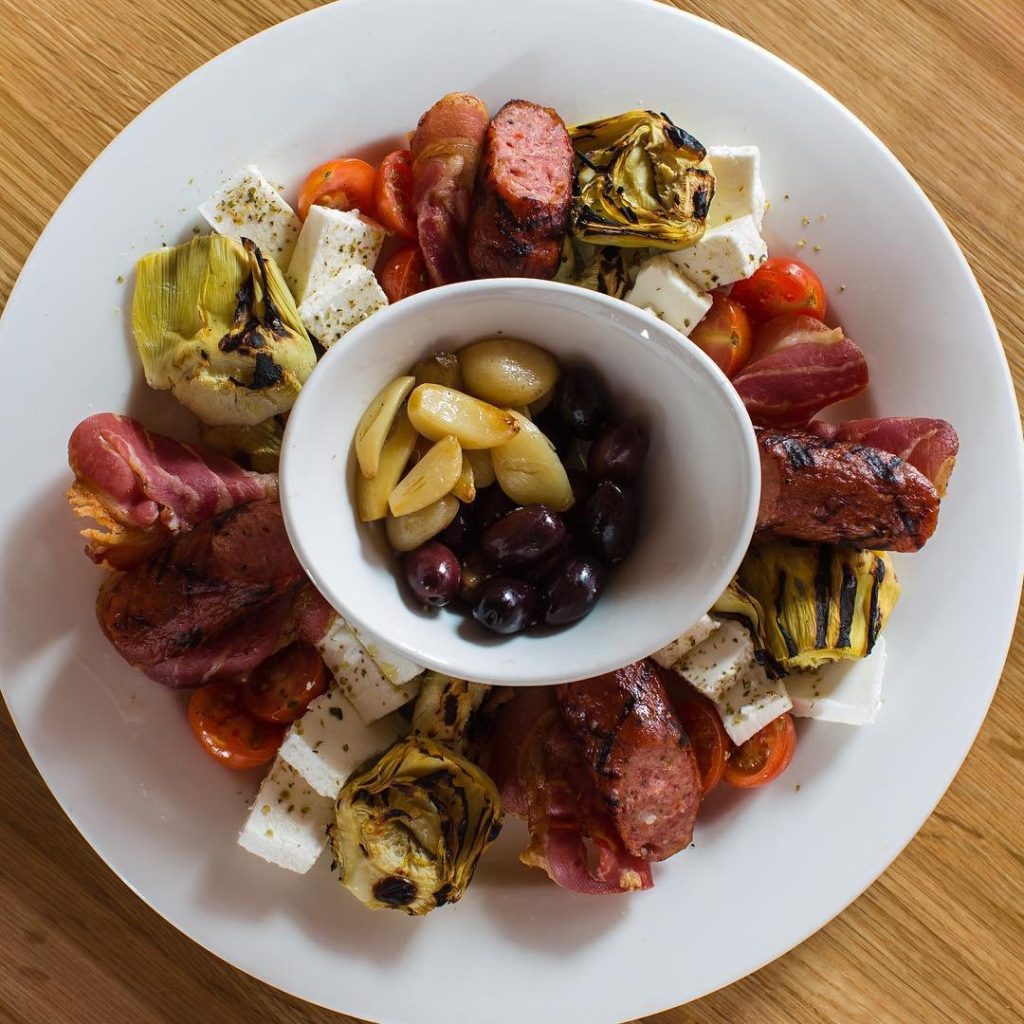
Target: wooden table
940 936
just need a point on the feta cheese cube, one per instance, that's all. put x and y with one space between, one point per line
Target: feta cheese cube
331 241
330 741
751 703
395 667
345 300
358 676
661 288
248 206
715 665
738 188
724 254
843 691
674 652
287 822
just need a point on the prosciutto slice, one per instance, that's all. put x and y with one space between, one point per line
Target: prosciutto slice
799 367
929 445
142 488
446 149
539 770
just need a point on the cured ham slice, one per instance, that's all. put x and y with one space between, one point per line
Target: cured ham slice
799 367
212 602
142 488
446 149
928 445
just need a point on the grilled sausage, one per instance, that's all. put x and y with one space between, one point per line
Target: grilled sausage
446 148
523 192
638 755
199 585
828 491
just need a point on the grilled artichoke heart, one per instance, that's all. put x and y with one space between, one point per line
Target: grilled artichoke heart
444 707
215 324
603 268
809 604
257 448
410 829
640 181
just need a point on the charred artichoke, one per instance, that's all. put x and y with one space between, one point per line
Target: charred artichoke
444 707
410 829
215 324
640 181
257 448
812 603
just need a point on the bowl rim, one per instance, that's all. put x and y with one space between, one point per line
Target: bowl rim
652 332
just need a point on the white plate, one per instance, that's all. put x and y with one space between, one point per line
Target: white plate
769 867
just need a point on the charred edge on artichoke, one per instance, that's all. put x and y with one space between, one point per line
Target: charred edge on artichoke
245 331
847 606
682 139
822 592
874 613
394 891
780 602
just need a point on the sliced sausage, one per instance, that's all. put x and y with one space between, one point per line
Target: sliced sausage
446 149
833 492
638 755
523 192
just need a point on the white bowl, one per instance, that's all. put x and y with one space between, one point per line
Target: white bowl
699 489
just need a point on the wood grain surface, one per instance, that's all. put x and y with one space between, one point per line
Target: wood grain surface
940 936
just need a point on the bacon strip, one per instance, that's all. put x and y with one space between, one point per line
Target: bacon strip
446 149
929 445
142 488
799 367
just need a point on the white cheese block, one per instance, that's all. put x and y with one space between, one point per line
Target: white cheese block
330 741
360 680
288 820
723 255
248 206
345 300
661 288
331 241
842 691
674 652
395 667
715 665
752 703
738 188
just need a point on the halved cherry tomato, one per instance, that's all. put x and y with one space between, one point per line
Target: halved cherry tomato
227 731
725 334
404 273
781 286
710 742
281 688
392 194
345 184
765 756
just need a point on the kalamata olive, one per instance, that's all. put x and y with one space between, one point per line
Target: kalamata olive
490 505
523 537
462 532
582 488
550 424
505 605
612 520
572 590
476 570
618 453
433 574
582 402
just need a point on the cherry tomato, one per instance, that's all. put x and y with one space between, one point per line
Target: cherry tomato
345 184
227 731
282 687
403 274
710 742
781 286
765 756
392 194
725 334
